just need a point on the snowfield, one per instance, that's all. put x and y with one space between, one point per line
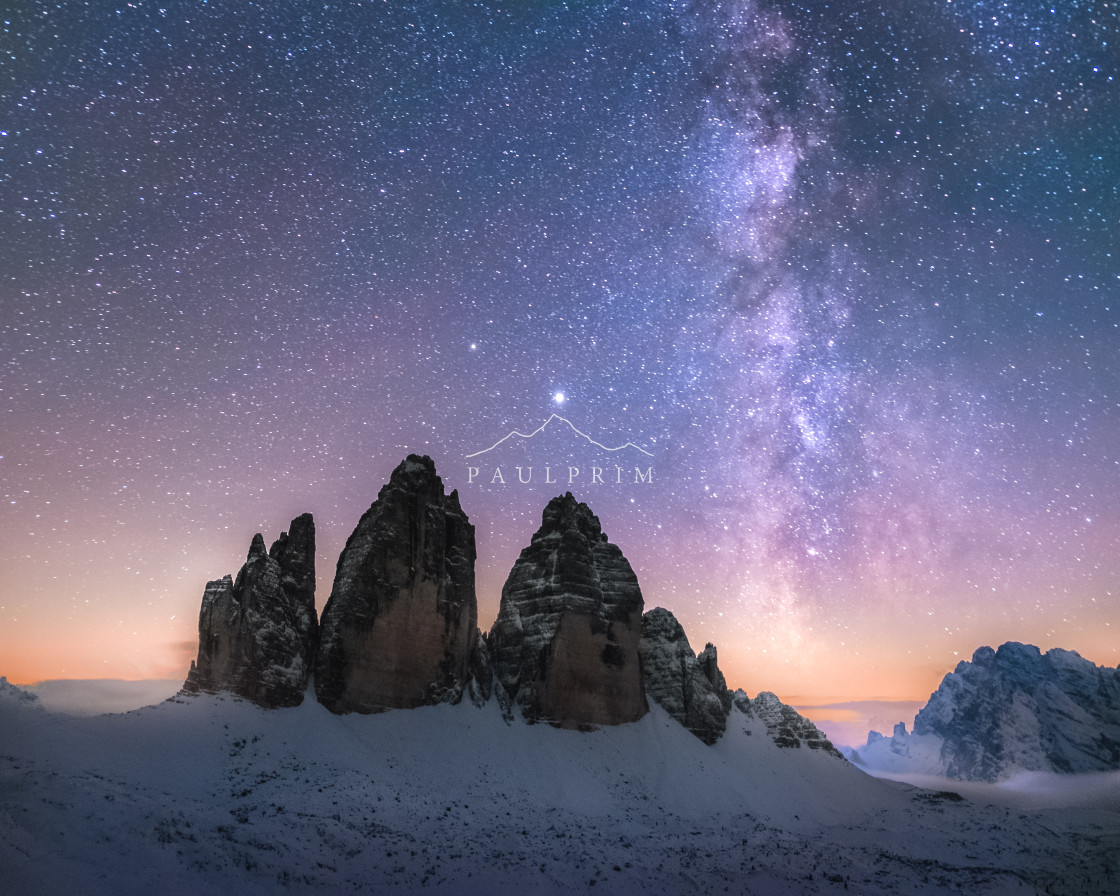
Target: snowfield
212 795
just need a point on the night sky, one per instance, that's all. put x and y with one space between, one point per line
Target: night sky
847 271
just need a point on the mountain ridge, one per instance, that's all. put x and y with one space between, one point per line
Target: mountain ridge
570 645
1009 710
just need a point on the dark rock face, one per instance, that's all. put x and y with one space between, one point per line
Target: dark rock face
786 726
257 634
400 627
483 685
1017 708
294 550
565 643
710 666
691 688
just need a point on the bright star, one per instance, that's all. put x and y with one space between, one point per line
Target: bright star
558 398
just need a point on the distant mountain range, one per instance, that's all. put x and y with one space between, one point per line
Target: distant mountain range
1007 711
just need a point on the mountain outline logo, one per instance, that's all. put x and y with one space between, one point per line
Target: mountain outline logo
574 429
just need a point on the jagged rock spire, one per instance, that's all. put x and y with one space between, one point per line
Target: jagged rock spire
565 643
400 626
257 634
690 688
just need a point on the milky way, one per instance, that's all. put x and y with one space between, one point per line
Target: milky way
847 271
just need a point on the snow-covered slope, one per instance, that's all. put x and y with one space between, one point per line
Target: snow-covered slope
210 794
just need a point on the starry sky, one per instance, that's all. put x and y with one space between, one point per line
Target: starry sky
845 274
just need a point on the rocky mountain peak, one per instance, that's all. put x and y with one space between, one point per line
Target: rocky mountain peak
400 626
416 473
786 726
565 643
690 688
294 551
709 665
1017 708
257 633
565 513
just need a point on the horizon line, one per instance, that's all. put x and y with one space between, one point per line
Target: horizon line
574 429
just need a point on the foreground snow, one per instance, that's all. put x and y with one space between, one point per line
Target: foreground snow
211 795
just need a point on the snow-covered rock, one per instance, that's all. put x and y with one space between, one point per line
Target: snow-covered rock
12 695
708 661
691 689
565 643
901 753
257 634
1018 709
400 627
785 725
1006 712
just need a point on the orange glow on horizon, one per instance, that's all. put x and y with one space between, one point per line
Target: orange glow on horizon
140 654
